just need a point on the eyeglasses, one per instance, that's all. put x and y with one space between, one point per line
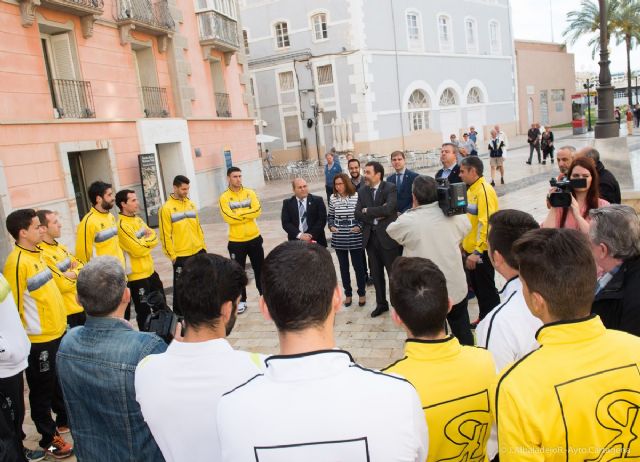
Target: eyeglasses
338 184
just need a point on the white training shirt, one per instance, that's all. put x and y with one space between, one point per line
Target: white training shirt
14 343
179 390
318 407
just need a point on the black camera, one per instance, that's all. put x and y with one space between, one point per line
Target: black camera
562 197
161 321
452 197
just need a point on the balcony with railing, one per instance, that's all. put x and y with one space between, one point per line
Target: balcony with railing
145 16
72 99
219 31
87 10
155 101
223 109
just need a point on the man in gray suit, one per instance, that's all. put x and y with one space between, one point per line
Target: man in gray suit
376 208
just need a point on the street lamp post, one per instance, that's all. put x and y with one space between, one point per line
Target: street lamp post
636 89
606 126
588 86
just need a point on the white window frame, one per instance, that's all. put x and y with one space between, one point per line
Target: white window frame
445 46
312 25
274 29
456 98
414 43
333 75
419 115
495 48
480 94
472 48
293 80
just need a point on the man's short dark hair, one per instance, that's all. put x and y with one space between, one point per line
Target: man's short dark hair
18 220
42 216
558 265
419 295
298 281
123 196
425 189
377 167
97 189
230 170
354 160
592 153
179 180
398 153
505 228
207 282
473 162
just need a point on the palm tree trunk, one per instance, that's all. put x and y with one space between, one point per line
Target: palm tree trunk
627 42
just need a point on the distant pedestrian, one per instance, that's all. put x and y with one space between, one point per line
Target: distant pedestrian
636 113
617 114
629 122
533 138
473 134
547 145
331 169
496 157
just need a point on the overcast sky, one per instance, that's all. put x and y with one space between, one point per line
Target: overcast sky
532 21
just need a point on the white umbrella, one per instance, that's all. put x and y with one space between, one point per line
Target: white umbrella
262 138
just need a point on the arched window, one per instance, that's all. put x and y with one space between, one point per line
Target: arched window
418 108
282 34
449 97
495 44
445 34
319 22
474 96
471 34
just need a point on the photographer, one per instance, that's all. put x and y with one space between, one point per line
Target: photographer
583 199
424 231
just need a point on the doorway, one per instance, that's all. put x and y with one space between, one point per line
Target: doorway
171 164
85 168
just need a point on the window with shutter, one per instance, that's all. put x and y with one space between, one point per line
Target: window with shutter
63 63
286 81
325 74
291 129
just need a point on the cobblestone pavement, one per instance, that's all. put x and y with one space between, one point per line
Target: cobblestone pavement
373 342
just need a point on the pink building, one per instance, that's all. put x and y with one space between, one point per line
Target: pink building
88 85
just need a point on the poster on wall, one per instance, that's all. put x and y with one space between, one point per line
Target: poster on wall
150 180
227 158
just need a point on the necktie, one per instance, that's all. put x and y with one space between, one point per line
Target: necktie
373 193
398 180
302 214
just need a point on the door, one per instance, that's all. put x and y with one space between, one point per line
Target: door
79 183
544 107
449 123
477 117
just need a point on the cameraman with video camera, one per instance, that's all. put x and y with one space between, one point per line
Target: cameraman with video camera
572 199
426 231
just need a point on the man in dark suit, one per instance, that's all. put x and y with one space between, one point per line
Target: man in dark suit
403 179
449 159
377 208
304 215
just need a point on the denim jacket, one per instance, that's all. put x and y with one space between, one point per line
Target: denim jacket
96 365
329 173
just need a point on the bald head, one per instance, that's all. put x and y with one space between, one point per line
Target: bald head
589 152
565 156
300 188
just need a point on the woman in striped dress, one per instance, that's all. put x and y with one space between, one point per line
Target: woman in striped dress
346 236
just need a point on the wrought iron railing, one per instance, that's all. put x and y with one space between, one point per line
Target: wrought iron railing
222 105
92 4
214 26
156 15
73 99
155 102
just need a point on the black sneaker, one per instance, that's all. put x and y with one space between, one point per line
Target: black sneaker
493 183
34 455
544 162
528 162
501 180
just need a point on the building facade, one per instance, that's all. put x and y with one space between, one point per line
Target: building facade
88 85
546 81
376 76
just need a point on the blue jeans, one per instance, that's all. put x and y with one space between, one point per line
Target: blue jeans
357 260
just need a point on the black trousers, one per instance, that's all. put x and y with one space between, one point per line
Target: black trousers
12 408
379 259
357 260
329 191
177 269
458 319
547 153
77 319
139 291
239 251
482 280
45 393
531 148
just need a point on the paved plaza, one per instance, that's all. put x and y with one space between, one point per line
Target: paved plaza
373 342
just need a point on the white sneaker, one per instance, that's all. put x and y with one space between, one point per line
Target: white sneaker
242 307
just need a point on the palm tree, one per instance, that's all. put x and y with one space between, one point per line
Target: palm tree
586 21
626 28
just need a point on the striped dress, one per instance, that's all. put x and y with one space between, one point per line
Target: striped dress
342 216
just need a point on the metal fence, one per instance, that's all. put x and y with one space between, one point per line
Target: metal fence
73 99
156 14
214 26
222 105
156 103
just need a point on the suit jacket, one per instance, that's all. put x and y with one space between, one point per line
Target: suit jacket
316 218
454 176
405 196
384 209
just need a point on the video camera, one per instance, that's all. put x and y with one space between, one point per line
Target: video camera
452 197
562 197
161 321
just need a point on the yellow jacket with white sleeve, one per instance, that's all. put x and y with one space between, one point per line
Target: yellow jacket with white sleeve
137 240
180 231
98 229
240 210
482 203
59 260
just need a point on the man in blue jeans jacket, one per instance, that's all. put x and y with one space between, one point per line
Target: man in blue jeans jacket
96 365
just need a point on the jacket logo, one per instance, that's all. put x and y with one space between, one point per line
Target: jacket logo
613 413
102 225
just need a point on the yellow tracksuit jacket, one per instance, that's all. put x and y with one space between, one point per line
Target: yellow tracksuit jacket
131 234
240 210
576 398
37 297
180 231
454 384
99 229
59 261
482 203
